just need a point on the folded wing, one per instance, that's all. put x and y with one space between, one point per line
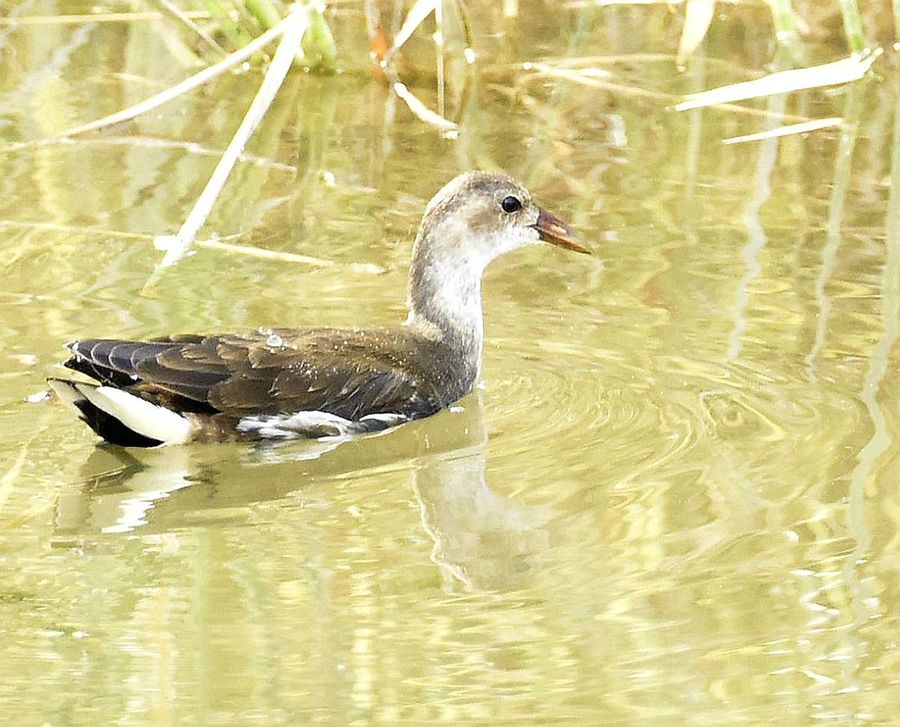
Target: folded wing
348 374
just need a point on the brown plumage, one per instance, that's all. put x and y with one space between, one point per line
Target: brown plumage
284 383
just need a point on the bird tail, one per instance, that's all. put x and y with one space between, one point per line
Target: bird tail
122 418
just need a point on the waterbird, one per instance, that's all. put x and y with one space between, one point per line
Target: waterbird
322 382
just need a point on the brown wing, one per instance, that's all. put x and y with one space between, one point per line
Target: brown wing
347 373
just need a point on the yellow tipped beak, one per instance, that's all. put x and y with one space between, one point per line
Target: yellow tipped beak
556 232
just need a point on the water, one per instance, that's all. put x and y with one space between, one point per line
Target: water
672 502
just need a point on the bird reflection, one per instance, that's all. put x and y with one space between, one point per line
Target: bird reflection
482 540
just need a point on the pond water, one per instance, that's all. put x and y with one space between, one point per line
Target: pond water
673 501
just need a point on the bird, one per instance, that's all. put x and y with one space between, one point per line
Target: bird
280 383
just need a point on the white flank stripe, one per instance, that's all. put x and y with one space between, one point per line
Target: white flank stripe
140 416
302 424
314 424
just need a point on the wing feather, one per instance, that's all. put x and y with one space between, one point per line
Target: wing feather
351 374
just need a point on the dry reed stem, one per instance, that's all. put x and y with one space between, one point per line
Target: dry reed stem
293 29
421 111
94 18
170 94
635 92
187 22
219 245
189 147
414 18
801 128
698 15
845 70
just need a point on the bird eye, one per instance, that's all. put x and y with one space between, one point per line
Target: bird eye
511 204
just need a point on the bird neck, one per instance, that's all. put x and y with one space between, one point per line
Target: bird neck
444 298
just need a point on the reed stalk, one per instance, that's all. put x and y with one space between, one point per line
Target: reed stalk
783 19
319 48
230 29
895 4
266 13
181 17
853 25
294 28
31 20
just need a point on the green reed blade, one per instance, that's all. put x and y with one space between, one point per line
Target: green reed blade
895 4
266 12
853 25
783 18
231 30
319 48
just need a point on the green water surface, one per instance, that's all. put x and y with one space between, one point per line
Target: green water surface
675 499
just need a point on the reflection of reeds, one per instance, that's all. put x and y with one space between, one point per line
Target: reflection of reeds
218 245
239 21
294 29
853 25
836 209
715 538
181 17
829 74
135 17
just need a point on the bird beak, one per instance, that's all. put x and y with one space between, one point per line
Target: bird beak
556 232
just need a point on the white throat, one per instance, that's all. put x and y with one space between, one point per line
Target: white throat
449 260
450 299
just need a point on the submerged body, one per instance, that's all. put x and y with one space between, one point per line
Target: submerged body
285 383
278 383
